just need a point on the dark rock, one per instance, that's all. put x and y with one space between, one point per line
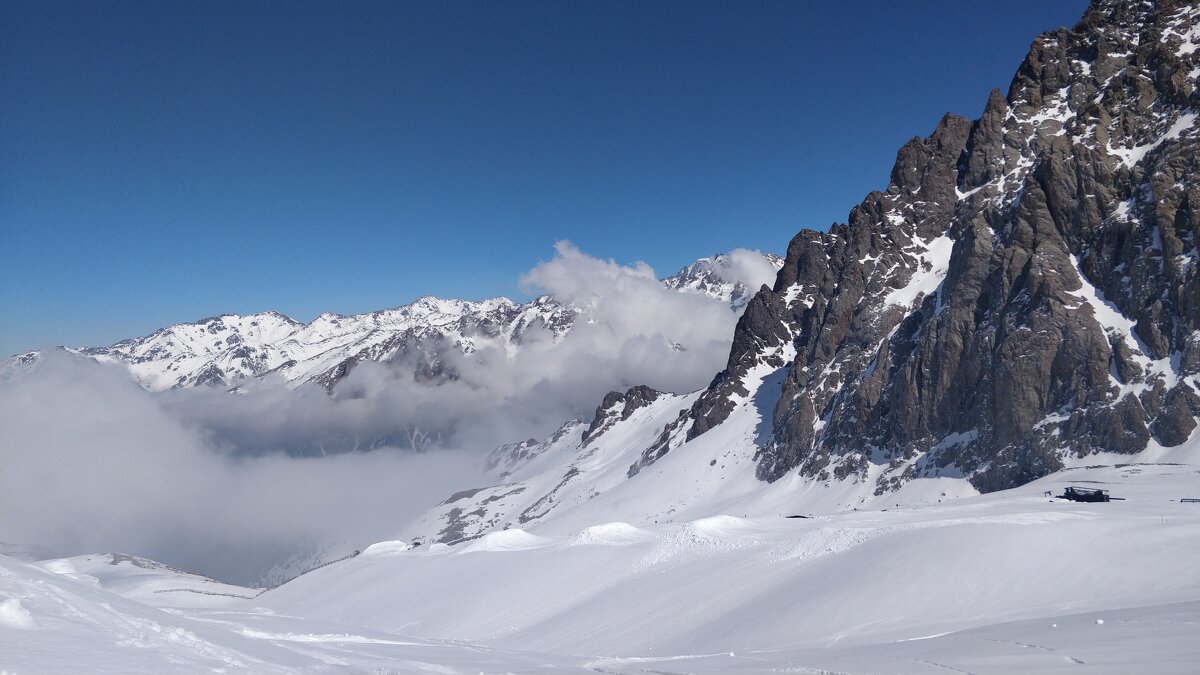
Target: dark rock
618 406
1177 420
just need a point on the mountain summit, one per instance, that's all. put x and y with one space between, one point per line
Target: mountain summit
1025 290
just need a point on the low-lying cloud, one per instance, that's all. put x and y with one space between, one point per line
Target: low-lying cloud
750 267
230 484
633 331
93 463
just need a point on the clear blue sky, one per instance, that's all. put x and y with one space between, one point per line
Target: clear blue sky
165 161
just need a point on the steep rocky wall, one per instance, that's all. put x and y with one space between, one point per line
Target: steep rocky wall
1025 289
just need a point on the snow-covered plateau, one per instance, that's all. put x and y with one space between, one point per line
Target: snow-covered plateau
1008 582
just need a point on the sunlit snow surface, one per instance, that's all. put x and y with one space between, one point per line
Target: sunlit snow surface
1000 583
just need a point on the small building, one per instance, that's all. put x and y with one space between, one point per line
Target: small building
1078 494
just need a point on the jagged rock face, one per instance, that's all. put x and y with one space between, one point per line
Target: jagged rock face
1025 289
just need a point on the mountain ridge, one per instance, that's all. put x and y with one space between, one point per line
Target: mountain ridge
228 350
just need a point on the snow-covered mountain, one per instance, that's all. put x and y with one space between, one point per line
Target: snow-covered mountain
1023 297
717 276
230 349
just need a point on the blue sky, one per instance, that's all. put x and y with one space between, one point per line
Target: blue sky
161 162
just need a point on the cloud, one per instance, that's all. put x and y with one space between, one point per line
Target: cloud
230 484
576 278
749 267
92 463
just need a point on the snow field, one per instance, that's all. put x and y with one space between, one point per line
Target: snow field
738 584
1009 582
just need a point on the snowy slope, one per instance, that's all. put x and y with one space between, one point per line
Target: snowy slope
729 583
60 623
148 581
539 481
1008 582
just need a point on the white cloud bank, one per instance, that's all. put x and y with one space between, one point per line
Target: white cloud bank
93 463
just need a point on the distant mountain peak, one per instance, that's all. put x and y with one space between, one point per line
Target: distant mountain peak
718 277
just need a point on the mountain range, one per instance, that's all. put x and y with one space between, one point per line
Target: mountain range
1023 295
231 349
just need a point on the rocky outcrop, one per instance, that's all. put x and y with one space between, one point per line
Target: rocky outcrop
509 458
1025 290
618 406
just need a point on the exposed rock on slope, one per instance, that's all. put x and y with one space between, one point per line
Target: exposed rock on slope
569 469
1024 289
619 406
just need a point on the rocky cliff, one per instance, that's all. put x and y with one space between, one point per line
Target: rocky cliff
1024 290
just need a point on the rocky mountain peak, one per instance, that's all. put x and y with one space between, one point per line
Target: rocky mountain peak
1025 289
722 276
619 406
